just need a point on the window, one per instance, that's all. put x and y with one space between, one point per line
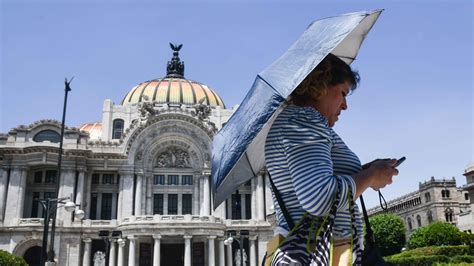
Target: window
38 177
107 178
418 220
49 195
445 193
106 206
47 135
117 129
410 227
158 203
429 216
427 197
159 180
448 215
95 178
187 179
173 180
248 206
35 205
236 207
50 177
187 204
466 196
93 213
248 183
172 203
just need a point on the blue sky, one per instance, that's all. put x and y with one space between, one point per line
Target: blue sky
415 98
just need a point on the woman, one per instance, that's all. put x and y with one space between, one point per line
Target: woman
314 171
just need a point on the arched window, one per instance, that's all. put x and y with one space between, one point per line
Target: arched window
410 227
447 193
448 214
427 197
47 135
429 215
117 129
418 220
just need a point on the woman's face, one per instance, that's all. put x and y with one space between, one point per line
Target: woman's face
331 104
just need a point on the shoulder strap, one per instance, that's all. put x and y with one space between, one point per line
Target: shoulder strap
283 209
369 236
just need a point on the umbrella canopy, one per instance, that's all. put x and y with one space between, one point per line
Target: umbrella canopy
238 148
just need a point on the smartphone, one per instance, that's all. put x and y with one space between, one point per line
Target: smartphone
400 161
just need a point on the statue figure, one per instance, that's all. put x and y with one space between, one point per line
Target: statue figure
201 110
147 108
99 258
237 258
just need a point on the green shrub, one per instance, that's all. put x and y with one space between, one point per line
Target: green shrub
434 250
9 259
389 232
435 234
417 260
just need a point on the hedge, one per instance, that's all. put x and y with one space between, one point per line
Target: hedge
435 250
9 259
442 255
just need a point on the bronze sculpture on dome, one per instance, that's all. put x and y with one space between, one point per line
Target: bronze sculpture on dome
175 68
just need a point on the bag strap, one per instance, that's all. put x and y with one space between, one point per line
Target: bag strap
369 236
283 209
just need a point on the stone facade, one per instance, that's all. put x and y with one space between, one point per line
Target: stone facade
435 200
145 171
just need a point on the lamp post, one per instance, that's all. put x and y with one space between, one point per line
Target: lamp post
241 234
107 236
49 207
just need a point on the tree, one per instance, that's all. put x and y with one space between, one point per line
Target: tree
10 259
389 233
436 234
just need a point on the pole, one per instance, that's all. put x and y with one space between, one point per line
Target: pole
46 208
53 225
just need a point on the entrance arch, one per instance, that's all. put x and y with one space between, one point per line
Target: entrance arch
32 256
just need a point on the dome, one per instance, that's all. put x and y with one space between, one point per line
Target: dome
174 88
94 130
173 91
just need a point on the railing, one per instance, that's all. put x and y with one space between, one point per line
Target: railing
171 218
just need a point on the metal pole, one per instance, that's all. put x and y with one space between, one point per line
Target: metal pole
46 207
53 225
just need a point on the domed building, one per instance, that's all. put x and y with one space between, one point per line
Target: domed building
142 176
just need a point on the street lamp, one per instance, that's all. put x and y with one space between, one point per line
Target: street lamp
107 236
230 240
49 209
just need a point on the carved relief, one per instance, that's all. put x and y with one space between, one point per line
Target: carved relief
173 157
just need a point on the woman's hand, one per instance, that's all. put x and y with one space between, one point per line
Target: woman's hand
381 173
376 174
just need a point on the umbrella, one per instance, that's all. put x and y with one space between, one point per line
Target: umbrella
238 148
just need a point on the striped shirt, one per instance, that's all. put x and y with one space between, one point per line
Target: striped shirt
305 159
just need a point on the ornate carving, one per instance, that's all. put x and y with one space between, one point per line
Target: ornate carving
146 108
174 157
201 110
175 68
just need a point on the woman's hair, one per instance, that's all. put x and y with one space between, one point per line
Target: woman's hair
331 71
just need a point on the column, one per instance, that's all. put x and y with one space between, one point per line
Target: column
228 203
196 201
66 189
211 255
242 206
206 203
138 195
114 205
121 254
149 196
3 190
253 255
268 195
187 250
86 259
120 197
180 203
15 196
229 255
156 250
88 195
126 195
221 252
253 183
112 255
260 198
131 250
80 188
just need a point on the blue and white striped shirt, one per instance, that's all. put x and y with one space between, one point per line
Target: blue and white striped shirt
305 158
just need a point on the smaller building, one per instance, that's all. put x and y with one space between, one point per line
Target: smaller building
435 200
